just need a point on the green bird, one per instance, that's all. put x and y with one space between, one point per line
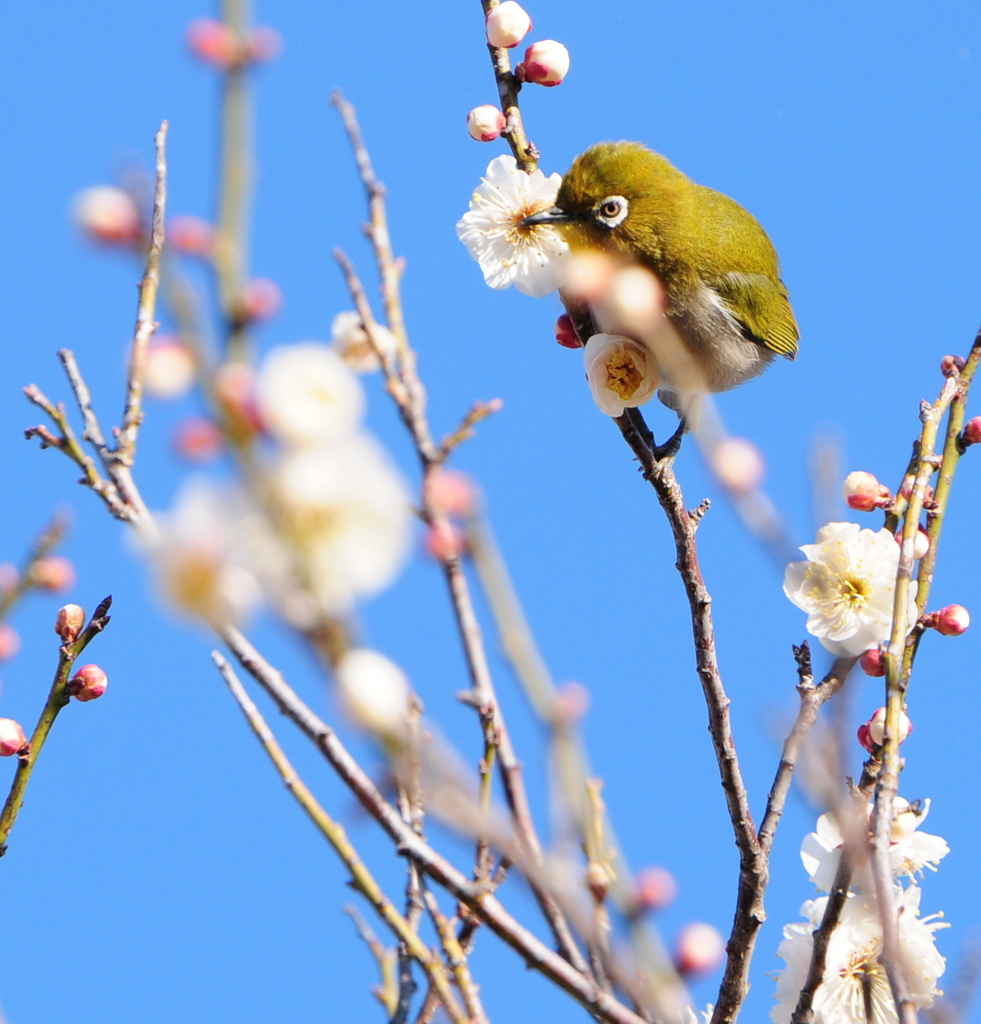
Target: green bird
718 269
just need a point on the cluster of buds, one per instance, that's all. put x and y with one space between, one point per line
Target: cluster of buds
12 738
447 495
863 492
951 366
950 621
872 733
216 44
546 63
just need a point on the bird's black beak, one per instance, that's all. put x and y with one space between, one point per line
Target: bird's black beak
553 216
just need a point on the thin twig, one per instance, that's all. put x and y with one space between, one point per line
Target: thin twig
58 697
361 878
387 992
45 542
456 959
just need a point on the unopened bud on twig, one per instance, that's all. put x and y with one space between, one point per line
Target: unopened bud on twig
507 24
656 888
170 369
88 683
863 492
12 738
699 949
950 621
444 541
921 542
972 430
873 663
260 299
214 43
9 577
597 881
234 385
545 63
952 365
190 235
738 464
69 623
108 214
53 573
877 726
198 439
565 333
906 489
9 641
573 702
485 123
450 491
373 691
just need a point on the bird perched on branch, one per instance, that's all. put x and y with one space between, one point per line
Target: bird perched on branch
724 312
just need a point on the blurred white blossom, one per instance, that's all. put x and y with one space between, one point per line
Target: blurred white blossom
346 512
622 373
350 340
373 691
854 971
200 550
530 258
306 394
847 587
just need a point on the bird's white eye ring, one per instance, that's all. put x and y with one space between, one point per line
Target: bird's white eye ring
612 211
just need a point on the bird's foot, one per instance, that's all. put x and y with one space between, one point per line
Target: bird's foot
672 446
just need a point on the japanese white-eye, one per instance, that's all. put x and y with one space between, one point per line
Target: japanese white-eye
724 300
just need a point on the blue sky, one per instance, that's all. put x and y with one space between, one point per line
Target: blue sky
158 868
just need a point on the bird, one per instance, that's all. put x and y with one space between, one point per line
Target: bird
727 311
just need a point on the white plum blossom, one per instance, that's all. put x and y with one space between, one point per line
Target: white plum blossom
854 971
847 587
350 340
530 258
622 373
346 512
200 551
373 691
910 850
306 394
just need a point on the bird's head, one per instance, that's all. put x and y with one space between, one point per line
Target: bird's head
617 196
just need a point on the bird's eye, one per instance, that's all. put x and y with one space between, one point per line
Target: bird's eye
612 211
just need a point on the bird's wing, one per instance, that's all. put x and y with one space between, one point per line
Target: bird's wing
762 307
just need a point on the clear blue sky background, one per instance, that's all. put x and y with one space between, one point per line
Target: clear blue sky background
159 871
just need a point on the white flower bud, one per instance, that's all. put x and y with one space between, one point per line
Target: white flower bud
877 726
169 370
373 691
621 372
699 949
107 214
507 24
485 123
863 492
545 63
738 464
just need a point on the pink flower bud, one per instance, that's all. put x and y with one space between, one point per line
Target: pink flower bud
198 439
53 573
738 464
71 619
597 881
873 663
698 949
507 24
88 683
190 235
877 726
12 738
655 888
565 333
261 299
108 214
234 385
9 577
452 492
906 490
972 430
573 702
952 620
214 43
545 63
863 492
444 541
865 737
485 123
264 44
9 641
951 365
170 368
